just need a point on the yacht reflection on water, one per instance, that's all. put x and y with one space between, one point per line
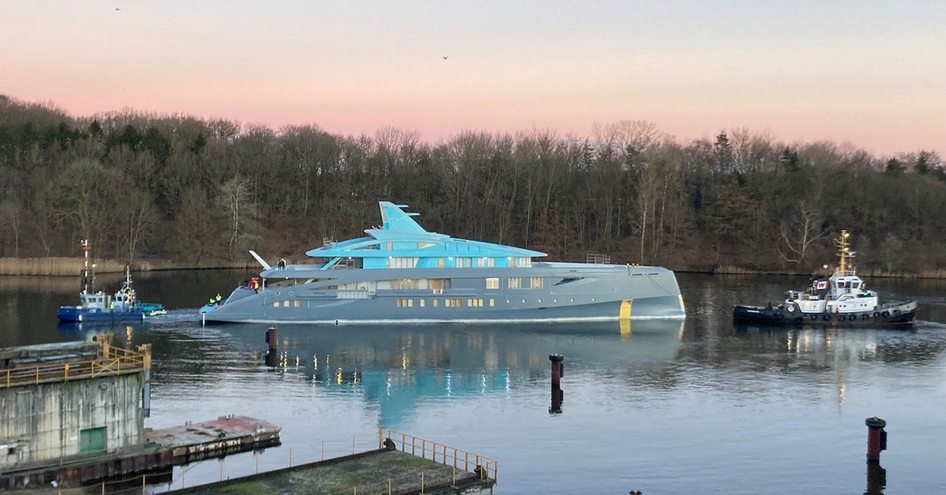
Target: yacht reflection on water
398 367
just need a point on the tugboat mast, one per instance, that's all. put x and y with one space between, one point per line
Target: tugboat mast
845 253
87 275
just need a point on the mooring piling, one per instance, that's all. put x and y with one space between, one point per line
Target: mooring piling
558 371
272 339
876 438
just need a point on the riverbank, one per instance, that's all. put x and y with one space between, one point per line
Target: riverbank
68 267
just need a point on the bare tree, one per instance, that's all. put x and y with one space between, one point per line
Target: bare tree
11 210
799 232
235 200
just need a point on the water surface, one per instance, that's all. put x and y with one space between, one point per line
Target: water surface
668 408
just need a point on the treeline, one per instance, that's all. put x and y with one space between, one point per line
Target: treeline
202 192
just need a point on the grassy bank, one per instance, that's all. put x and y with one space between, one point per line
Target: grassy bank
72 266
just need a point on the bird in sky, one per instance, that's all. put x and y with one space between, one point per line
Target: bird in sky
117 9
445 57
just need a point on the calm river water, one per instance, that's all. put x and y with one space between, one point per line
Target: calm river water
672 408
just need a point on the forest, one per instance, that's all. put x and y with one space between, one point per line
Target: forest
201 192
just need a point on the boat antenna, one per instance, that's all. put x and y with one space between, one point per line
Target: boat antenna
844 253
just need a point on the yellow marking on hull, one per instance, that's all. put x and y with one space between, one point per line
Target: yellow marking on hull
682 307
624 316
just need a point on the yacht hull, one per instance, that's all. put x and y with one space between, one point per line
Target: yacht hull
570 292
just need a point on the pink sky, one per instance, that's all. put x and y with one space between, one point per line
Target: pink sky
869 73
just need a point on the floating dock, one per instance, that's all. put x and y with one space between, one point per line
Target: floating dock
163 449
393 469
225 435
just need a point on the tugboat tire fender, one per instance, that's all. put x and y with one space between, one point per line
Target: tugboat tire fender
778 315
865 316
885 314
791 308
876 314
896 311
826 317
814 317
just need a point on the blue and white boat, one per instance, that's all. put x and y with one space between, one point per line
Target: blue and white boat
401 273
100 307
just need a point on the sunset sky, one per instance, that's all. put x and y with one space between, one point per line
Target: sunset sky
872 73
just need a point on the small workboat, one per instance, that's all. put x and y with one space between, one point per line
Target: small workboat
96 306
841 299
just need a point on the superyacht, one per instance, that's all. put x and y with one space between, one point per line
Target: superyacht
402 273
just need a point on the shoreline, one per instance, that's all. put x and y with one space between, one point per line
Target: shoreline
70 267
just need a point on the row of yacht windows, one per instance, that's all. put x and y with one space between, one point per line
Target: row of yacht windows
447 302
437 285
459 262
460 302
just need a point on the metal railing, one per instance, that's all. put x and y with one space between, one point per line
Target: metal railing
414 480
484 467
598 258
109 361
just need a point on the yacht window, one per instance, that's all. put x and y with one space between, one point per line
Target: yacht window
512 262
514 282
401 262
492 283
537 282
420 302
492 302
275 304
434 302
285 303
295 304
389 246
855 285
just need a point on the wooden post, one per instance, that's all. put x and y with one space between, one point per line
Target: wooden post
290 457
421 482
389 486
323 450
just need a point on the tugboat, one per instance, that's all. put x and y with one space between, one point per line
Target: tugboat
841 299
100 307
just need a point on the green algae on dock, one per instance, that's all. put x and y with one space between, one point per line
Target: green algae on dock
379 471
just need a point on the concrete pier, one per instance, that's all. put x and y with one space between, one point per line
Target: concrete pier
74 412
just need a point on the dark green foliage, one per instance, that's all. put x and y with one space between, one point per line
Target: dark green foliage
206 191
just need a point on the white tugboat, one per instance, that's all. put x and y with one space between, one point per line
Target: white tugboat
841 299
